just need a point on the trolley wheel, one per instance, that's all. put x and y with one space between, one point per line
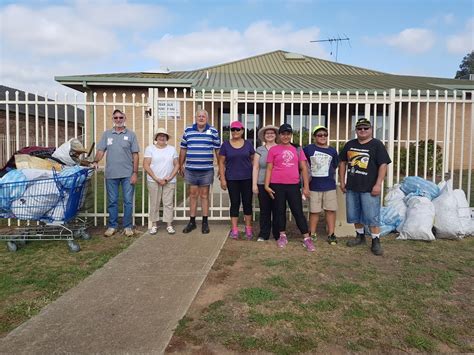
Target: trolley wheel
73 246
85 236
12 246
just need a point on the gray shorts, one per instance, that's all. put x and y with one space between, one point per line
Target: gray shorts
199 177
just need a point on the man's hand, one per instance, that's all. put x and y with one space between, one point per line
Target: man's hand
95 165
133 179
342 186
306 192
376 190
270 192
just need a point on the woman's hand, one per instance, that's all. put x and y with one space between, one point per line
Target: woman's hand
255 189
270 192
223 183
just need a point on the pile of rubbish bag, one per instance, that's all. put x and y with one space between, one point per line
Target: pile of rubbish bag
418 209
35 181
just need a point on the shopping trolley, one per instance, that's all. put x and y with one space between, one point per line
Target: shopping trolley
50 207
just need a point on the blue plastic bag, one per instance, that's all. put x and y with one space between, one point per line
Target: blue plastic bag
417 186
12 186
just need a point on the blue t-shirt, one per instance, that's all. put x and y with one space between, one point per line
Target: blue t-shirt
322 163
238 161
200 146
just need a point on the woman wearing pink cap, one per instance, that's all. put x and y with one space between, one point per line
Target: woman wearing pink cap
235 165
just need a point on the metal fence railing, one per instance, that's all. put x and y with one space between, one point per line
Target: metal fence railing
429 134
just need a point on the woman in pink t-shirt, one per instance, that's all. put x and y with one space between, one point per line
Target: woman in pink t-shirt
282 183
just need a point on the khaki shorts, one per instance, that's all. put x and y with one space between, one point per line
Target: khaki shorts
320 200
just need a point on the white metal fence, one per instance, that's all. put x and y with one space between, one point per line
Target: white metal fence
429 134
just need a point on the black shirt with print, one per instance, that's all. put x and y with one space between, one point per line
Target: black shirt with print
363 162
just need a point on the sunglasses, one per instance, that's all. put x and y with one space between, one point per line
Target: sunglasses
119 117
322 135
235 129
363 128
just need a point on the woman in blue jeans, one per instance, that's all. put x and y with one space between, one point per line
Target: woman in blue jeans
235 165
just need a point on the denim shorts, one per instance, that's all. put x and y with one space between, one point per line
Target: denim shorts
363 208
199 178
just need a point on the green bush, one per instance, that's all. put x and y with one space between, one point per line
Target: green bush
421 158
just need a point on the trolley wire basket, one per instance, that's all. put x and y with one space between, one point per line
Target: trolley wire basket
50 207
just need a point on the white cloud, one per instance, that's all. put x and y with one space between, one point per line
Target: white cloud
81 28
463 42
219 45
412 40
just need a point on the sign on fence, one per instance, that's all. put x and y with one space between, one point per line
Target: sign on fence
169 109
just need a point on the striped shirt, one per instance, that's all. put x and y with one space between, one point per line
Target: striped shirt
200 147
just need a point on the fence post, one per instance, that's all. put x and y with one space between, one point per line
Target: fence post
391 136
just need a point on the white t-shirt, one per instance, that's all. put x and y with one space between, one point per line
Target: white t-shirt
161 161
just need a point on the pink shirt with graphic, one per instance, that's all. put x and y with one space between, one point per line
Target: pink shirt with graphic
285 164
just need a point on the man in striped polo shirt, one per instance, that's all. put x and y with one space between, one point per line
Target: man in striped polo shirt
198 144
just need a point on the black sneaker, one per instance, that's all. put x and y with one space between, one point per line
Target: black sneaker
332 239
189 227
204 228
376 247
358 240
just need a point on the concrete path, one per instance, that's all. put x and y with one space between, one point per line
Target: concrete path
131 305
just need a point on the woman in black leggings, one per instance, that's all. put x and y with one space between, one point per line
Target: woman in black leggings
282 183
235 166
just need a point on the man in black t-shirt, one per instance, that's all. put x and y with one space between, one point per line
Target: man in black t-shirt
365 159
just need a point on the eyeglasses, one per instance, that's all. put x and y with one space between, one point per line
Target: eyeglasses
119 117
322 135
363 128
235 129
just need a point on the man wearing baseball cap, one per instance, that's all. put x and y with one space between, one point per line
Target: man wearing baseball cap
365 159
323 162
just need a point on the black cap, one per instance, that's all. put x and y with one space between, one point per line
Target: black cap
285 127
363 122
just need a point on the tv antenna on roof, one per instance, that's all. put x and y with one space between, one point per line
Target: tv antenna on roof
335 40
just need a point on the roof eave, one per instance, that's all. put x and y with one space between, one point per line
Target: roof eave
85 82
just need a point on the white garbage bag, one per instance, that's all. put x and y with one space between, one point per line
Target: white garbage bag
394 199
419 220
464 212
39 198
447 223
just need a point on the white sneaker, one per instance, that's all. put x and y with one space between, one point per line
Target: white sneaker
109 232
170 229
153 230
128 232
260 239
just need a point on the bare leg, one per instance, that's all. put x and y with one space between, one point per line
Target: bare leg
193 195
234 221
204 194
375 230
331 221
248 221
313 222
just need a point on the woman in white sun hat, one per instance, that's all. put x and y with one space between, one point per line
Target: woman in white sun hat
161 164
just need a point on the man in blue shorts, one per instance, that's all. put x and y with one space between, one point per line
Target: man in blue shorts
196 164
365 159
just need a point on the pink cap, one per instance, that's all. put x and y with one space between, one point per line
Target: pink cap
236 124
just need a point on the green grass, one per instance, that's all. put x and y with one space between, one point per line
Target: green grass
256 295
414 299
40 272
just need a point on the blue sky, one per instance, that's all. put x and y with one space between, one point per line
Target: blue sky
42 39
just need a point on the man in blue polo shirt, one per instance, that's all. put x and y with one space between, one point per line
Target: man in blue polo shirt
198 144
121 169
